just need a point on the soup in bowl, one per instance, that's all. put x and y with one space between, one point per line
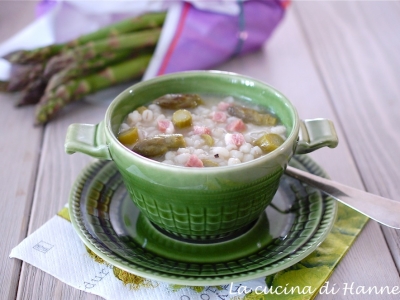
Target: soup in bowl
201 153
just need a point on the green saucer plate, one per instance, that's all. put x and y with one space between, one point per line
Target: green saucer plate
111 225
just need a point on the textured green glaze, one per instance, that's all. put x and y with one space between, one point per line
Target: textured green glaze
112 227
199 203
208 212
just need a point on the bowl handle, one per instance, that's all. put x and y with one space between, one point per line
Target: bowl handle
87 138
316 133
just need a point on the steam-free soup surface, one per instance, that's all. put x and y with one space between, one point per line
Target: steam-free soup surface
201 130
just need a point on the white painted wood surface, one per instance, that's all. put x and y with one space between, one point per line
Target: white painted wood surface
338 60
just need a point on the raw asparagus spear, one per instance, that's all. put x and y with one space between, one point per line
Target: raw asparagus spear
150 20
74 90
34 85
22 75
76 69
33 91
37 86
132 41
33 56
145 21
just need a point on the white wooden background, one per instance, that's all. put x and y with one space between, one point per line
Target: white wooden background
334 59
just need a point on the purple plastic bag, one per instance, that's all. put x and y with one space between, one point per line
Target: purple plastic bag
196 39
203 39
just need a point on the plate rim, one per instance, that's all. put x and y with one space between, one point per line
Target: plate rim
330 209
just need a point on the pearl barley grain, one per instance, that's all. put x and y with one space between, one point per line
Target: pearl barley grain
221 152
245 148
247 157
124 127
147 115
218 132
188 141
155 108
183 150
170 155
280 129
198 151
133 118
181 159
256 151
236 154
233 161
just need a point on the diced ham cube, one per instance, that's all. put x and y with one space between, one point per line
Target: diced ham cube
237 125
223 105
194 161
236 139
165 126
201 130
219 117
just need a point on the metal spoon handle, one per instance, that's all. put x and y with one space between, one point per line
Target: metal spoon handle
382 210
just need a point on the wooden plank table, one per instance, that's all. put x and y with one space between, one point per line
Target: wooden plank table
338 60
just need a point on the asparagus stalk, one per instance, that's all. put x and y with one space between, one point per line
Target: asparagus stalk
55 67
75 69
21 75
132 41
33 56
33 85
33 91
146 21
73 90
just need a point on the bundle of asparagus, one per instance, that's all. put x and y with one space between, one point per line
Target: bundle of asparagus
55 75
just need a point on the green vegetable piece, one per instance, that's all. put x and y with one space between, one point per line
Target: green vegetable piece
209 163
159 145
129 137
269 142
249 115
208 139
178 101
141 109
182 118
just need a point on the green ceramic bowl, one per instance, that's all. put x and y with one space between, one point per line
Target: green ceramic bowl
200 203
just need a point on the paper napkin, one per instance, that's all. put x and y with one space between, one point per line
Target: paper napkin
56 249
